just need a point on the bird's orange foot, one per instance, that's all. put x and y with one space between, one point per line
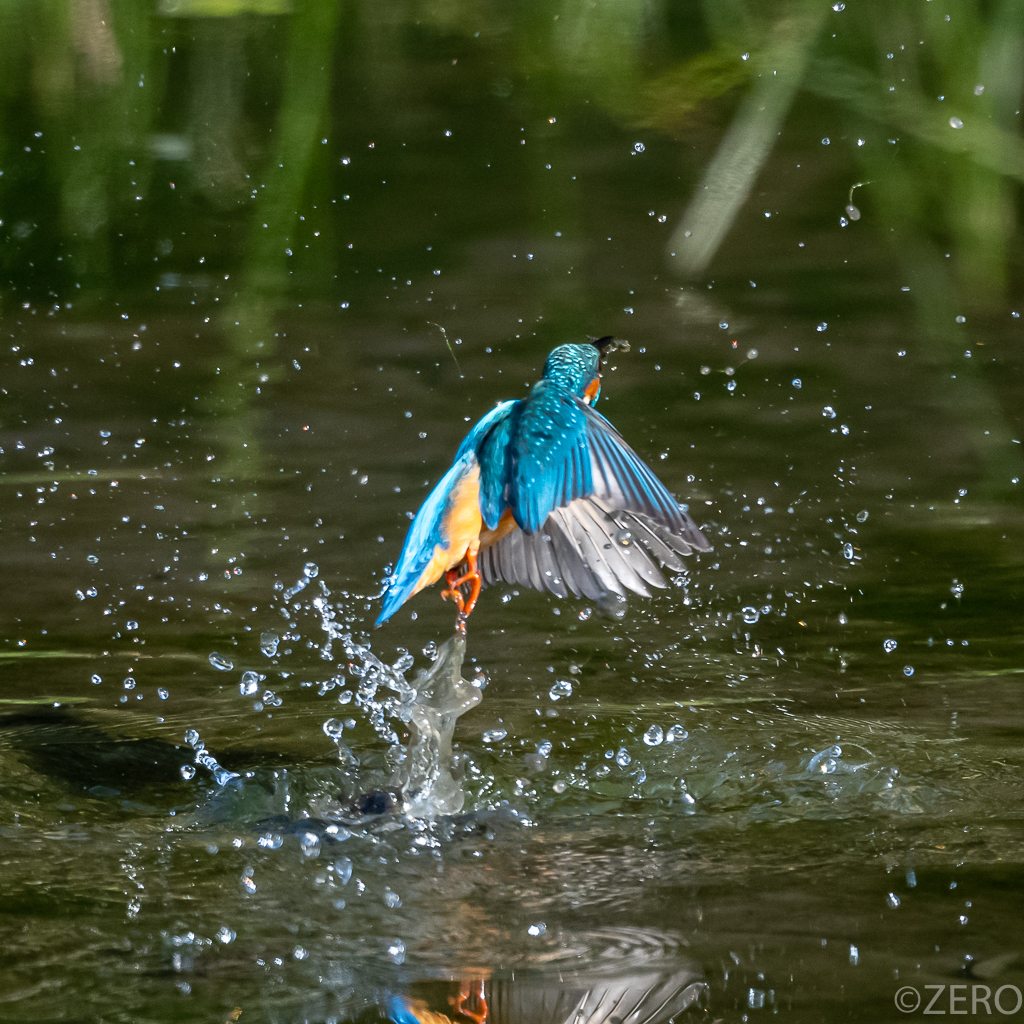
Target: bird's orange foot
470 1004
453 591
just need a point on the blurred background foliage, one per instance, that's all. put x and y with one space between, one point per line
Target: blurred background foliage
199 148
125 126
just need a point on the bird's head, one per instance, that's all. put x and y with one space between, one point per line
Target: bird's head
577 368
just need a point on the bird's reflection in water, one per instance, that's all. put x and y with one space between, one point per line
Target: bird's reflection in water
561 997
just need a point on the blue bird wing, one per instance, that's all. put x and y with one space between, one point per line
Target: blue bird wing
428 529
425 534
608 521
490 440
550 461
622 478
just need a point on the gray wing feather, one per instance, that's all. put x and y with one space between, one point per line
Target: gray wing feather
582 549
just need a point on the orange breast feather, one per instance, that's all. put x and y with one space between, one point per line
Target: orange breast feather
460 529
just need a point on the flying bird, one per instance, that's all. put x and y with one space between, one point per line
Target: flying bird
545 493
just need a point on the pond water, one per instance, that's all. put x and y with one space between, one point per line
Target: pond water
261 271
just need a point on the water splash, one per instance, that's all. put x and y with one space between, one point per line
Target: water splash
206 760
441 697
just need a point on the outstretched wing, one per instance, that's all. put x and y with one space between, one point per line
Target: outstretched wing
548 450
437 533
449 515
606 522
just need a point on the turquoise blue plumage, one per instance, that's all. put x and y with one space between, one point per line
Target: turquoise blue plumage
545 492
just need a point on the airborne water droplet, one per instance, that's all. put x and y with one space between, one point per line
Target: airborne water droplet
221 663
249 684
562 688
343 870
268 643
654 736
310 844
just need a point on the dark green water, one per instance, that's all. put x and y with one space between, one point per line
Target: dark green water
227 244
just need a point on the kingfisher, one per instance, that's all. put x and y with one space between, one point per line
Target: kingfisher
545 493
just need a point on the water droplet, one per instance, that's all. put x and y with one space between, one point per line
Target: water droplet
343 870
188 771
559 786
129 683
828 412
226 935
311 570
978 90
430 651
750 614
622 757
854 955
797 382
654 736
249 684
908 670
249 883
839 7
852 212
889 646
957 589
96 680
676 734
955 122
310 844
299 953
624 538
823 326
91 558
893 900
585 614
843 619
537 929
562 688
162 693
268 643
396 951
221 663
843 222
333 728
755 999
392 899
862 516
271 841
848 551
494 735
638 147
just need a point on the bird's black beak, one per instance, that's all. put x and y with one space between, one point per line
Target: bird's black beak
608 344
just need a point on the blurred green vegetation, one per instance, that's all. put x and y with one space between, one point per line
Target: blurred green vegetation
196 151
127 131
